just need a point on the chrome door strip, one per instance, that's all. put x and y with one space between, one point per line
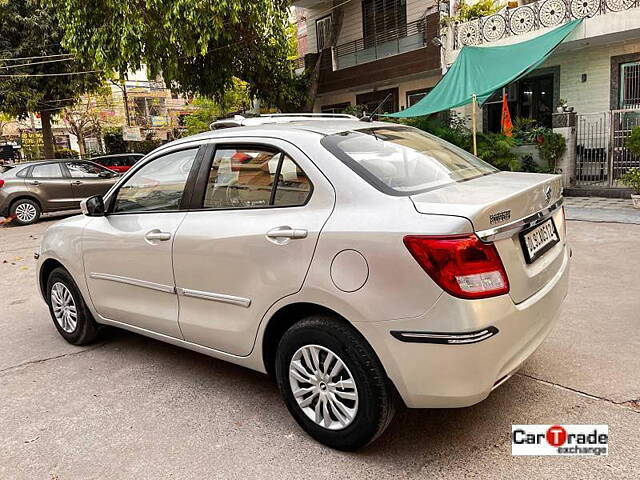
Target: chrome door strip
507 230
216 297
132 281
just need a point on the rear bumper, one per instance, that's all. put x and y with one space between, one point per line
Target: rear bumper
429 375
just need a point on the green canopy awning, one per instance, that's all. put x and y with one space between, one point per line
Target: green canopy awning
483 70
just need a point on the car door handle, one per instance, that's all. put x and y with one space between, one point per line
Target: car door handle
34 182
157 235
77 182
287 232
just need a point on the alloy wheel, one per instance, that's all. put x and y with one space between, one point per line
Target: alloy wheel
26 212
323 387
64 307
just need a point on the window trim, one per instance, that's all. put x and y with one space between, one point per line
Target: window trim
188 187
200 186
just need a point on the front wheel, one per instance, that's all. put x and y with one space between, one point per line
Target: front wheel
70 314
333 383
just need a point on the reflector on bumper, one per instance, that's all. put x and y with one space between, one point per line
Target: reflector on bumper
446 338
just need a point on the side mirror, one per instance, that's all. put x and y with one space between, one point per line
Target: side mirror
92 206
104 174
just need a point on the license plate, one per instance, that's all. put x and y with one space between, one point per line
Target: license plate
538 240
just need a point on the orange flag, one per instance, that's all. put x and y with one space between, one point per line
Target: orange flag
505 121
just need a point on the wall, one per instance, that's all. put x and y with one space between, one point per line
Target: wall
593 95
403 88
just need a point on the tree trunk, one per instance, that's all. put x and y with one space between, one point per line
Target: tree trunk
81 145
47 135
314 79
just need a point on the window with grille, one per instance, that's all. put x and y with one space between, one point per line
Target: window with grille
630 85
383 20
323 32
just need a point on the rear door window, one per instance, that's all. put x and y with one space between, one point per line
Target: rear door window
49 170
254 177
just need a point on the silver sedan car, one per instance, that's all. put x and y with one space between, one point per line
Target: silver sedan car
360 263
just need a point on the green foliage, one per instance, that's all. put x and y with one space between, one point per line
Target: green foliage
198 46
631 178
198 122
482 8
552 149
113 141
633 142
29 29
496 149
66 153
527 130
528 164
115 144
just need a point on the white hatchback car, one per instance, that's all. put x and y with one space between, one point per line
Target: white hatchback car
357 262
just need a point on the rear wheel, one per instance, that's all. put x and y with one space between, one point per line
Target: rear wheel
70 314
333 383
25 211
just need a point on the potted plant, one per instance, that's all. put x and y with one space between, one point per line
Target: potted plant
631 178
562 103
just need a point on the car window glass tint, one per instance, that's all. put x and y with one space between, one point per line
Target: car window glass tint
50 170
85 170
293 185
158 185
241 178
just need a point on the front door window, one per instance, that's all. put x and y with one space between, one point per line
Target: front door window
158 185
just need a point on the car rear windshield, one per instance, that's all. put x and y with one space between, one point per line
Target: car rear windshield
404 160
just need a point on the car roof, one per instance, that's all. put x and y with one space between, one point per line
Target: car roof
321 127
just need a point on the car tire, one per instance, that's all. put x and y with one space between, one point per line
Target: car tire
25 211
69 312
363 412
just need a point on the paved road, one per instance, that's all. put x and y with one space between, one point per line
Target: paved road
131 407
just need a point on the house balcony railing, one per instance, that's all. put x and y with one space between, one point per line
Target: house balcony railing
392 42
531 17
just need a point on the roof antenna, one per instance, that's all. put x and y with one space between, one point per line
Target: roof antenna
369 118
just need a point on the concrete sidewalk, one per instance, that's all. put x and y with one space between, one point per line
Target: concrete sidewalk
599 209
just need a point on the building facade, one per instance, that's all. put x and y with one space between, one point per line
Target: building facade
384 55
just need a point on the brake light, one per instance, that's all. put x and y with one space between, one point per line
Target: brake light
1 182
462 265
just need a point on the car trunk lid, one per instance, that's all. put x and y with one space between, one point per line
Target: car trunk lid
504 199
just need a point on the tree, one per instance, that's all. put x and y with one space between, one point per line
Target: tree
234 100
29 30
83 121
197 46
5 120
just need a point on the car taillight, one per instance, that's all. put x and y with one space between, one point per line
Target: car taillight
462 265
1 182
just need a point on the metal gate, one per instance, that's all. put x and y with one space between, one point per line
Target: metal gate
601 152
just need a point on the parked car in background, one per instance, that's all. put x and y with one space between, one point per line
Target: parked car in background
120 162
29 189
351 260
